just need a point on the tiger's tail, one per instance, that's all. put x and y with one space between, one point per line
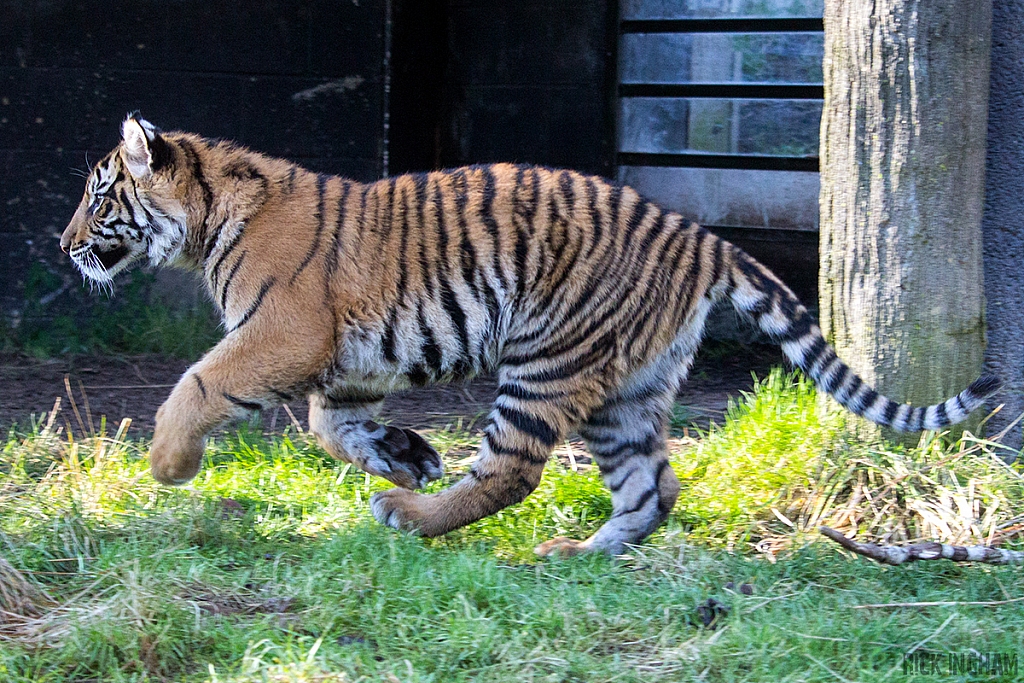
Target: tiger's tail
756 292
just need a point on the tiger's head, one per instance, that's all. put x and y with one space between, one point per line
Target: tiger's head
132 209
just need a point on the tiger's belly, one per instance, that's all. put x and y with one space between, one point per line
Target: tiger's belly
364 363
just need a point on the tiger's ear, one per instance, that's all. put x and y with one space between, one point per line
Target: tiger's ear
141 146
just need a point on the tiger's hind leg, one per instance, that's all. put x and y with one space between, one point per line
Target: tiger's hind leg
531 414
343 425
627 437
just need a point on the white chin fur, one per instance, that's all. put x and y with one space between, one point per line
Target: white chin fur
166 246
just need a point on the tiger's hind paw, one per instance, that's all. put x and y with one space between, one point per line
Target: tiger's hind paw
561 546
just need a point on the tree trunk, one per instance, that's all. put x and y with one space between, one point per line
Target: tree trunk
902 180
1004 215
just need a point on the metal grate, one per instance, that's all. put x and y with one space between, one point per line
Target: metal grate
724 95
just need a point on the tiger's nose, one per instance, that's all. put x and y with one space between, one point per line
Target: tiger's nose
65 239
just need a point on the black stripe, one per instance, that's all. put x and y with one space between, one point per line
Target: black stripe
442 226
215 271
813 351
331 264
211 241
960 404
854 387
645 447
554 219
836 379
565 184
199 383
866 401
522 454
388 339
526 214
608 467
523 487
321 184
593 439
241 403
242 169
918 419
822 363
420 197
517 391
457 315
597 230
348 400
637 216
641 501
289 185
430 349
418 376
664 506
601 419
890 411
614 488
690 280
267 284
487 217
716 262
941 415
282 395
529 424
229 278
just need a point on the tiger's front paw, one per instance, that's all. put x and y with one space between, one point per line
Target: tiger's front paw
175 461
404 458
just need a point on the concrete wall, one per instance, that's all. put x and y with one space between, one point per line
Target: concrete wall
1003 222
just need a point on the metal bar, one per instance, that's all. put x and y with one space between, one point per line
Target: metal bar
727 25
750 91
751 162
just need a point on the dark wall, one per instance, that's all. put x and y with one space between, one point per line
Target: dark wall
503 80
302 80
1002 229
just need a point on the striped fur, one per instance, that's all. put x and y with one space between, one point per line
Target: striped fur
586 300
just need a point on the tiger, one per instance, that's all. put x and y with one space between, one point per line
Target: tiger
585 300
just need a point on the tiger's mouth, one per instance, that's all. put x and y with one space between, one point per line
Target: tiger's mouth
100 265
112 257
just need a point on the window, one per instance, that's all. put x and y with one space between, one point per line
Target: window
719 108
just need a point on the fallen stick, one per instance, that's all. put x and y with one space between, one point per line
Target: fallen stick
896 555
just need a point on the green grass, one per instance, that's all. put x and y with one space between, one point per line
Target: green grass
270 567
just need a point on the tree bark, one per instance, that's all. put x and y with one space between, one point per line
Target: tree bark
1004 215
902 180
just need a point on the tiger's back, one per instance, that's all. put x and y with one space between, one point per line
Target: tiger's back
587 300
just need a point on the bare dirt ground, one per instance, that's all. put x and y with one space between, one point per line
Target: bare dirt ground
134 387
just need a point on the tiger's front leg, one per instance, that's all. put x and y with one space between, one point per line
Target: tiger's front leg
343 425
241 374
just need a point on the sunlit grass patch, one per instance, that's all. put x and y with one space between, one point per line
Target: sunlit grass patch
779 467
269 567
